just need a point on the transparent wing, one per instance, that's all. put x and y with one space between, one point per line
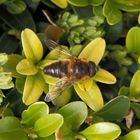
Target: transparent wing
52 45
57 89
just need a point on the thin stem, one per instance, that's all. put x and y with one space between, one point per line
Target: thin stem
48 18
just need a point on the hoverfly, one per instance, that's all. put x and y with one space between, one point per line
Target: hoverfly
68 71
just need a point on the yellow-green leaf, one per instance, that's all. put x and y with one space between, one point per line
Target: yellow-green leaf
91 96
104 76
60 3
32 46
94 50
33 88
48 124
134 85
102 131
132 135
26 67
50 80
63 98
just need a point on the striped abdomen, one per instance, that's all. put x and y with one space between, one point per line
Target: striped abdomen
72 68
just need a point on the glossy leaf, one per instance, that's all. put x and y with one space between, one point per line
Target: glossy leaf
18 21
128 6
63 99
108 112
102 131
133 41
134 85
3 58
33 88
16 7
133 135
10 127
113 32
124 91
50 80
113 15
20 84
60 3
32 46
96 2
8 44
34 112
47 125
6 80
81 3
10 66
136 108
139 19
26 67
71 112
57 53
104 76
90 95
93 51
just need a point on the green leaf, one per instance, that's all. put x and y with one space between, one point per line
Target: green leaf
93 51
16 7
91 95
26 67
6 80
133 135
81 3
8 44
133 41
124 91
136 108
128 5
134 85
11 64
114 32
33 89
20 84
63 98
2 1
34 112
75 50
111 12
18 22
139 19
57 53
47 125
71 112
108 112
4 112
96 2
10 127
60 3
32 46
3 58
102 131
98 11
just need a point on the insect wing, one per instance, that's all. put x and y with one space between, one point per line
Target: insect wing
57 89
58 50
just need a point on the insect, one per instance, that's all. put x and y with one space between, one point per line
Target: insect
68 71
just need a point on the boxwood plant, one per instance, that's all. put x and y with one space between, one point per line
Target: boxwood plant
103 107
